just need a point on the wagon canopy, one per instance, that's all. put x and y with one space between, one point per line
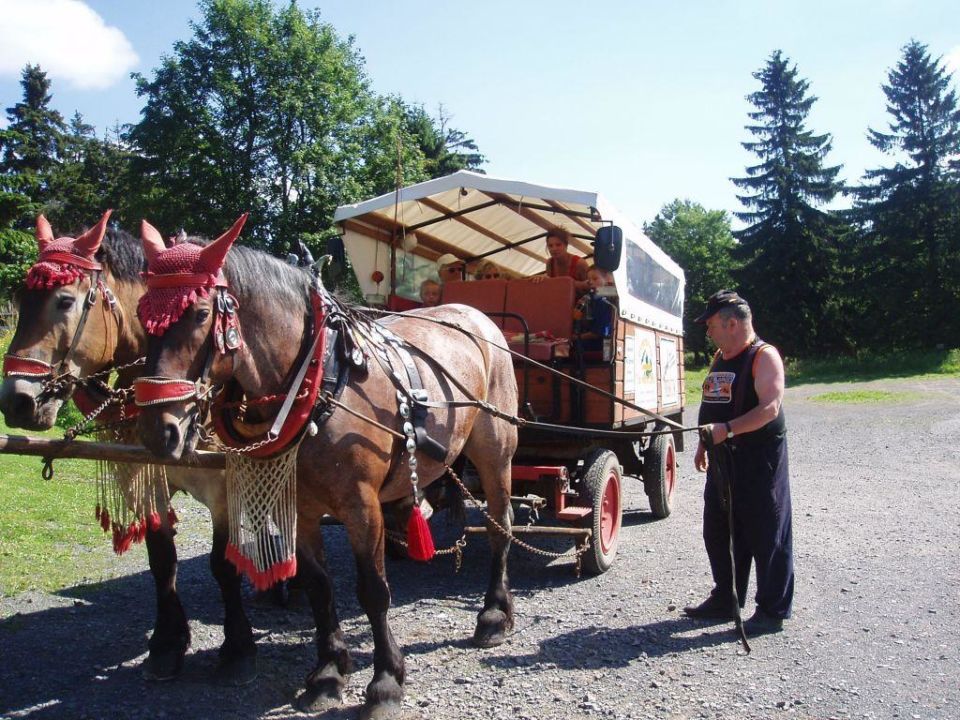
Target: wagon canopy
479 217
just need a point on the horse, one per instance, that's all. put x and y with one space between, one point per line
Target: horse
48 351
350 458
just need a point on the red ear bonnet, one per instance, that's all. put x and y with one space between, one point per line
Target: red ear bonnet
66 259
180 274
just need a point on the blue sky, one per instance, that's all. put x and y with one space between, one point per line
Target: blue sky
641 101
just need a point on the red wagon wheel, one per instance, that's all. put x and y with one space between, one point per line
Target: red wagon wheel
602 482
660 474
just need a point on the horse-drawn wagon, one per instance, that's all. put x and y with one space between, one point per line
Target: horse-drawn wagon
589 417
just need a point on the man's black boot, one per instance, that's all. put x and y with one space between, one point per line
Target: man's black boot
713 608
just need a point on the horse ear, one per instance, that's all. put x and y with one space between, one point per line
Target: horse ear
152 241
44 232
88 243
213 255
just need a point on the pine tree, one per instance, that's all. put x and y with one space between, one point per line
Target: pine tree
789 250
30 148
910 254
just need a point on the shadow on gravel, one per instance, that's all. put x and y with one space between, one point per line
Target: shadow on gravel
76 653
594 648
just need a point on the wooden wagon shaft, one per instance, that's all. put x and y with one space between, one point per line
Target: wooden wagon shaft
115 452
536 530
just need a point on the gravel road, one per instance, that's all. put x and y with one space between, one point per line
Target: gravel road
875 633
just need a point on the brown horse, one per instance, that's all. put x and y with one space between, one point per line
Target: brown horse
46 342
354 461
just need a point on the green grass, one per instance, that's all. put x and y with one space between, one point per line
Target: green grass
859 397
918 364
49 538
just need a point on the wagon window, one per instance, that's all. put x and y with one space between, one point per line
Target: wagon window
411 271
651 283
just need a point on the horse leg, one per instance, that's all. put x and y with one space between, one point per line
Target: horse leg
238 653
324 686
495 620
171 635
366 531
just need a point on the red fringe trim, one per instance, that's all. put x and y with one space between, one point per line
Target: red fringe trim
46 275
104 518
419 540
156 320
262 580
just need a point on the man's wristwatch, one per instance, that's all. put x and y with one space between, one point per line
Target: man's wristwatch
729 430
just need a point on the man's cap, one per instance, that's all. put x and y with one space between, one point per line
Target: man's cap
447 259
718 301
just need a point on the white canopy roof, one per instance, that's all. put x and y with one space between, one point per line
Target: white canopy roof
475 216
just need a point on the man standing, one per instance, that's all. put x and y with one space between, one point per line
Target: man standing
742 404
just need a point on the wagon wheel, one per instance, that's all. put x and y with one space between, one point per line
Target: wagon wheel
601 490
660 474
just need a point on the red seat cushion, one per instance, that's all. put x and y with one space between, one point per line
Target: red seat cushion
485 295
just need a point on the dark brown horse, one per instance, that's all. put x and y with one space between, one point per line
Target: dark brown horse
46 337
354 462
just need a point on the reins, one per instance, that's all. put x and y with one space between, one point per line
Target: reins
522 422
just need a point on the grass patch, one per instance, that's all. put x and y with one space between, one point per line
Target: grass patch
863 367
50 538
866 366
861 396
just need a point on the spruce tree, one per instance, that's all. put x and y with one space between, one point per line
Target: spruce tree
30 148
788 250
910 253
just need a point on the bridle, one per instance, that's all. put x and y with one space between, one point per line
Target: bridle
225 329
56 377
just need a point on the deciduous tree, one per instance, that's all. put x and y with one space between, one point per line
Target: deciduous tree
701 242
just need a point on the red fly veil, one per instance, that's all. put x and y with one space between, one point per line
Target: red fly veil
65 260
178 275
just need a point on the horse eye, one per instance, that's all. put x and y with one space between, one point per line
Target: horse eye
202 316
65 302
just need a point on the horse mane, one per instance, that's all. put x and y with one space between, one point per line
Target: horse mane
254 273
123 254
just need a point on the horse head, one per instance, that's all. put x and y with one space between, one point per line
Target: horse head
66 326
193 336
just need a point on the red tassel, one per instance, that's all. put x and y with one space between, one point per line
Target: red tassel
117 537
97 512
105 520
141 530
153 521
419 540
172 518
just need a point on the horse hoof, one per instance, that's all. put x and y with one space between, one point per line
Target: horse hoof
379 711
492 626
162 666
237 671
318 698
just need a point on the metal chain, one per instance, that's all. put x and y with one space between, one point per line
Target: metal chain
212 439
575 553
456 549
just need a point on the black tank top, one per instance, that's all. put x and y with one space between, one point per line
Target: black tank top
729 392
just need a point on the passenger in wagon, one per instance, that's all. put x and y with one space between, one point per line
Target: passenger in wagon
562 262
593 313
430 293
487 270
450 268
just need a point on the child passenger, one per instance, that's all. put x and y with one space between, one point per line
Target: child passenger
430 293
594 313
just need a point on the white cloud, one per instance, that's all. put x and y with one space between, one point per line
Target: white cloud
69 41
952 60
